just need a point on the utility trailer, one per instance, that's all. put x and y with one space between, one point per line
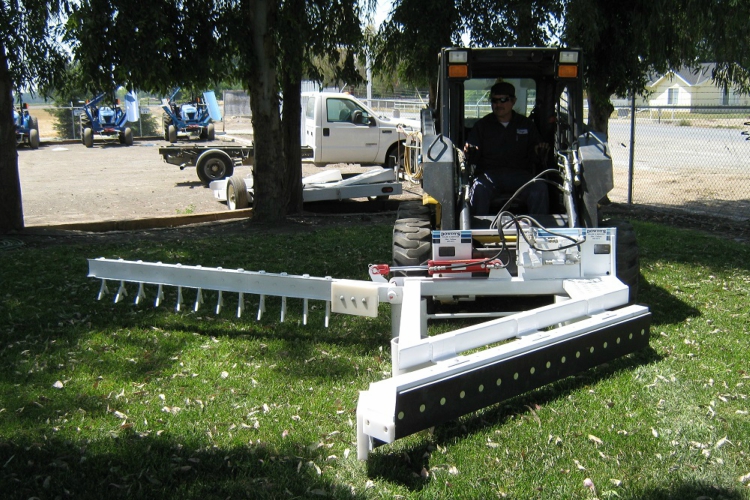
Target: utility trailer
376 184
586 271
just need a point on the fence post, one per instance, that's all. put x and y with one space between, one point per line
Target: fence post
632 149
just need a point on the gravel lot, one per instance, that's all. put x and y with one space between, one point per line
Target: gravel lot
67 183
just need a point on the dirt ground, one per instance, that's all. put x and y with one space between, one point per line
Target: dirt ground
113 188
67 183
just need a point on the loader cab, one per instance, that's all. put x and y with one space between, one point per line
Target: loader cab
548 85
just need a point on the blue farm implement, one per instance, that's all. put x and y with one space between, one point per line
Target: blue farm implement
27 127
108 121
191 119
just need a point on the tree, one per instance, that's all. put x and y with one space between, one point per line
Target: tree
266 45
30 59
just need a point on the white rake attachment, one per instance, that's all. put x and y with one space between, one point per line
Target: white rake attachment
343 296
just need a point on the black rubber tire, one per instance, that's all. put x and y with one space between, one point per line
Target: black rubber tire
166 122
88 137
237 197
172 134
34 138
211 132
127 136
626 255
34 123
412 241
394 159
214 166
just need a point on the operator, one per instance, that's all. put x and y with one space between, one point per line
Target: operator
506 147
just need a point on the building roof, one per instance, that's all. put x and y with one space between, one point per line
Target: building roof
689 76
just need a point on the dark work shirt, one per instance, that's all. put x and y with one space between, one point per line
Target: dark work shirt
503 148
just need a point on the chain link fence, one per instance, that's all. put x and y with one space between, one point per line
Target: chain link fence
681 158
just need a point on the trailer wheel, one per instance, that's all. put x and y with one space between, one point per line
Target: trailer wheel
88 137
237 196
128 136
412 244
214 166
34 138
172 134
211 134
626 255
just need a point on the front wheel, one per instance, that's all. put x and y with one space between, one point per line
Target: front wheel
128 136
237 195
172 134
412 242
34 138
88 137
211 132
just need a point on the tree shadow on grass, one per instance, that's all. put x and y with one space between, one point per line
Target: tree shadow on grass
132 466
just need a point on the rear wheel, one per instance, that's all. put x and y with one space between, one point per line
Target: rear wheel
211 133
88 137
237 196
34 138
412 244
214 166
166 122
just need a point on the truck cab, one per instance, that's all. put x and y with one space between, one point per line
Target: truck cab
341 129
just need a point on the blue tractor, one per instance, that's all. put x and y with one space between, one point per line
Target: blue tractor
191 119
27 127
106 121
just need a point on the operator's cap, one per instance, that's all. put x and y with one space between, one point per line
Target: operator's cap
503 88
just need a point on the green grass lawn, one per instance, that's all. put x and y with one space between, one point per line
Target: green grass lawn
112 400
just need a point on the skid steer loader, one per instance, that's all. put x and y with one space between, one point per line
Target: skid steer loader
547 296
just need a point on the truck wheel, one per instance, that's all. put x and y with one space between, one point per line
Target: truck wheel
412 243
88 137
213 166
171 134
626 255
394 159
34 138
211 134
237 196
128 136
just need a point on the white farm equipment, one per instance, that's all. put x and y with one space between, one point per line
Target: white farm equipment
445 254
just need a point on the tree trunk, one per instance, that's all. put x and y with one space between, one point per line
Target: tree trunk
291 126
11 208
600 107
270 202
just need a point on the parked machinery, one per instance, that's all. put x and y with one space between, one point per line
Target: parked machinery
190 119
27 126
108 121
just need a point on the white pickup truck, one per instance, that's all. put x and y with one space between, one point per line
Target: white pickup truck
336 128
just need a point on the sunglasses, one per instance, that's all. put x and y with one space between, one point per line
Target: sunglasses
503 100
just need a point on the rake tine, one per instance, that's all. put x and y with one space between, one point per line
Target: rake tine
121 292
261 306
198 299
283 309
219 303
141 294
241 305
179 298
102 290
159 296
304 311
